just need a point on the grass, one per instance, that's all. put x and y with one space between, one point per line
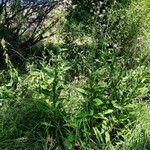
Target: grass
139 137
90 91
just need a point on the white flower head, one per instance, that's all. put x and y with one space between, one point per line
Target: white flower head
104 11
115 45
139 38
115 1
101 3
101 15
104 25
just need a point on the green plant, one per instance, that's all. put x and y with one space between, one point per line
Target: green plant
139 136
89 89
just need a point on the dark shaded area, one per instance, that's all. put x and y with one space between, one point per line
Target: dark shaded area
33 119
22 27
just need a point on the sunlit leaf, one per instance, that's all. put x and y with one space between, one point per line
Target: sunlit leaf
109 111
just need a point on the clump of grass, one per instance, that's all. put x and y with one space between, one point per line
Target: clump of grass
139 137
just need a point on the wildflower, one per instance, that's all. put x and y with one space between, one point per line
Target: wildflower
76 79
98 12
91 10
103 11
96 60
115 45
101 3
104 25
101 15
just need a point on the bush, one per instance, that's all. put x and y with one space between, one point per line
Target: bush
83 93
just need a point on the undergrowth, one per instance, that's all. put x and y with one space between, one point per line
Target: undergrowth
89 91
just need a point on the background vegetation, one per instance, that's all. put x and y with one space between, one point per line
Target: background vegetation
75 75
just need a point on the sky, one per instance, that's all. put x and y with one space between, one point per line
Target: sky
27 1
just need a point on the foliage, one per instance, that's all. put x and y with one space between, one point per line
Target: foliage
139 137
22 26
90 86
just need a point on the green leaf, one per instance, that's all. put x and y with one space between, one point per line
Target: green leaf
50 81
107 137
98 134
98 102
129 106
46 92
115 105
109 111
101 116
82 91
104 125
